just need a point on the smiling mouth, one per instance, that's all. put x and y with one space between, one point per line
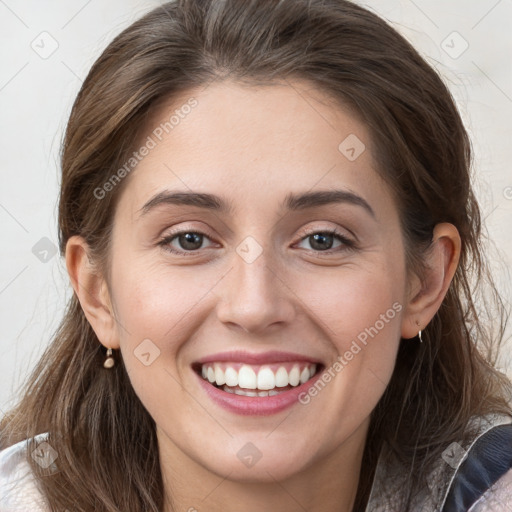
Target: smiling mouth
257 380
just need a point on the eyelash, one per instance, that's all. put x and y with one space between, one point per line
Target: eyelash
348 244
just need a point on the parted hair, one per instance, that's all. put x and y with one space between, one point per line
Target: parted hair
105 438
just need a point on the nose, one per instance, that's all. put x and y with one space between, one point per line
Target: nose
255 295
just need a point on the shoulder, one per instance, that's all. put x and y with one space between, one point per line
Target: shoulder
476 472
498 498
18 490
483 479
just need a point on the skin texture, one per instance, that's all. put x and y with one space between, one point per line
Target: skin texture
252 146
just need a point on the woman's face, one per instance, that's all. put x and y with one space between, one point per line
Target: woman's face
258 292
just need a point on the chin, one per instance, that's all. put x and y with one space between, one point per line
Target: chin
262 472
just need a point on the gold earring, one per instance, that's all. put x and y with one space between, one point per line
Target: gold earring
109 361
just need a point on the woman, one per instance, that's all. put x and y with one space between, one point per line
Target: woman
216 355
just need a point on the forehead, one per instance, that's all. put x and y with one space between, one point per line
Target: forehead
254 145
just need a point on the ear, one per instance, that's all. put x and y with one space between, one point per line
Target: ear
92 292
425 297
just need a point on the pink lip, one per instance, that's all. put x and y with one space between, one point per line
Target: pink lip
263 358
258 405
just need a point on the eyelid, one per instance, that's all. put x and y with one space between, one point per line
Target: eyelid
187 229
331 229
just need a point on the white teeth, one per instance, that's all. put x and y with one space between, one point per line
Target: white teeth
265 380
281 377
294 377
245 392
219 375
247 377
304 376
231 376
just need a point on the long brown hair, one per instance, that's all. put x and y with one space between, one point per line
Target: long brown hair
105 438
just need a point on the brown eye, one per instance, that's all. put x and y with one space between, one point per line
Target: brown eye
323 240
187 240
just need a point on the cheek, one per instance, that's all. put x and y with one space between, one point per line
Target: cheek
158 303
352 303
160 310
157 311
359 312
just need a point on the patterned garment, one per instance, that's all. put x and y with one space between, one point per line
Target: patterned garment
453 486
475 477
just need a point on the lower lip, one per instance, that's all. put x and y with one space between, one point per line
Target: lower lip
257 405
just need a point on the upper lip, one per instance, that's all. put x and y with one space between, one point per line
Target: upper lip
240 356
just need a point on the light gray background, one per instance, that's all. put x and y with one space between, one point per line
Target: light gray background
37 90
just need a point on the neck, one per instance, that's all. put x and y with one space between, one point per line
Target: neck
328 484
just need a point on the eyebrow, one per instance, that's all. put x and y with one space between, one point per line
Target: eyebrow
292 202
